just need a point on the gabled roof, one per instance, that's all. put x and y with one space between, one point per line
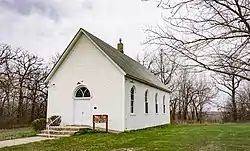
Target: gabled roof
131 68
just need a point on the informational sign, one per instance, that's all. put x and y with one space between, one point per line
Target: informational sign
101 118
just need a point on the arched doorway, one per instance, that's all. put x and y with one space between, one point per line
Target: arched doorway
82 106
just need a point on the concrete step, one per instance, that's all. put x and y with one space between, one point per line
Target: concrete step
52 135
67 128
60 132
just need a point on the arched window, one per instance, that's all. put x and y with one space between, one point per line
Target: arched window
132 99
156 103
164 105
146 101
82 93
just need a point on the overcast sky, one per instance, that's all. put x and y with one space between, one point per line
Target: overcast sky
45 27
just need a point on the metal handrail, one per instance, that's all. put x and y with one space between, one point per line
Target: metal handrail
48 125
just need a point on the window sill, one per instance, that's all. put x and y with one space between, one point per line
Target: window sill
87 98
132 114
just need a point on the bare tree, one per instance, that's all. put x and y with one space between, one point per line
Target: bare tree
243 102
23 93
53 59
6 83
191 97
161 64
229 82
205 95
146 59
37 92
186 93
207 32
26 65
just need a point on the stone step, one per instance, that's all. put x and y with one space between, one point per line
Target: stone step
60 132
52 135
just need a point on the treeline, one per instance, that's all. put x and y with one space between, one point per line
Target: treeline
192 93
242 103
23 93
209 39
196 95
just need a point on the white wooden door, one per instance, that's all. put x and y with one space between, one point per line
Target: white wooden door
82 112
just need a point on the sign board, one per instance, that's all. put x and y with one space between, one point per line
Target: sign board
101 118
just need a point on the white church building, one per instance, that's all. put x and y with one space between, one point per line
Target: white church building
91 77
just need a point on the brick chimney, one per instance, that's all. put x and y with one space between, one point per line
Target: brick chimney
120 46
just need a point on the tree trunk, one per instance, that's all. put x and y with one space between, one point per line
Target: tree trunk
32 118
185 112
234 107
20 105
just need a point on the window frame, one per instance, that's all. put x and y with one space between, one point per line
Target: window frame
156 104
146 111
164 105
132 101
81 98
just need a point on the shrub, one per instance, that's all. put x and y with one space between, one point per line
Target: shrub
39 124
57 122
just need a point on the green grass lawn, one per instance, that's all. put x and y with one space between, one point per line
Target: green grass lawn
16 133
220 137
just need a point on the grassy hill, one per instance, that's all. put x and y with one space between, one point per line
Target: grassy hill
214 137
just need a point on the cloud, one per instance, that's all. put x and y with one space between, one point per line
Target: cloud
88 4
47 26
27 7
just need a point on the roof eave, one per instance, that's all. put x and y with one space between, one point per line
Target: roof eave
147 83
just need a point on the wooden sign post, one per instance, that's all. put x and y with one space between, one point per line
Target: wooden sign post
100 119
